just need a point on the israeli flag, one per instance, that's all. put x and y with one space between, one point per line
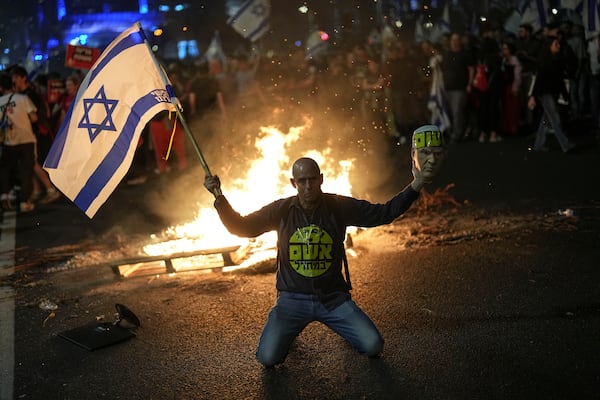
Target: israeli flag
474 27
591 23
570 4
442 27
512 22
437 102
438 107
215 50
419 33
535 13
252 19
95 145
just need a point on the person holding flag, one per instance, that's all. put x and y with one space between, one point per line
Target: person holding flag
313 281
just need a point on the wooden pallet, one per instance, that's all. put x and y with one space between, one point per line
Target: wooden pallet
127 266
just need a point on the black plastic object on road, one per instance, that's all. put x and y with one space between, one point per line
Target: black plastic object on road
102 334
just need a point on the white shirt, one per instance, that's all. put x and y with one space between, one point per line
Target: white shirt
18 110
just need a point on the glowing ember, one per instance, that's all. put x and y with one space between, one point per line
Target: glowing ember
266 180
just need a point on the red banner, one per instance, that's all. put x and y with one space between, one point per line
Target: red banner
81 57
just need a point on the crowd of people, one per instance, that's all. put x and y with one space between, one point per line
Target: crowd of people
26 137
485 88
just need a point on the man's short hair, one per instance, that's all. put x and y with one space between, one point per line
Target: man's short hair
19 71
527 27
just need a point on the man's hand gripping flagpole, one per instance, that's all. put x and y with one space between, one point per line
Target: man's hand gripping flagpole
178 110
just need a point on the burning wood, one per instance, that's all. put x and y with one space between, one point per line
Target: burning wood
267 171
128 266
197 244
436 200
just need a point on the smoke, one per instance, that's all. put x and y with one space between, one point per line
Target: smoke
380 167
329 122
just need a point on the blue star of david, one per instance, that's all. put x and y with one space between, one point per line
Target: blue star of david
107 124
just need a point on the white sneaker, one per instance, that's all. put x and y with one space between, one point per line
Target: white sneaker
495 138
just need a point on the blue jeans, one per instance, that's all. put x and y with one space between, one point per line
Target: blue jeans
550 119
457 100
294 311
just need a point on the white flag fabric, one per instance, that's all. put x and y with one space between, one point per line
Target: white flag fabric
316 45
442 26
571 4
252 19
535 13
419 33
215 50
474 26
590 18
513 22
95 145
437 102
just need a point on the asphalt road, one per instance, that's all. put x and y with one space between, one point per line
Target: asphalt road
495 298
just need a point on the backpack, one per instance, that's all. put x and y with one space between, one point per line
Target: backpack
480 81
332 206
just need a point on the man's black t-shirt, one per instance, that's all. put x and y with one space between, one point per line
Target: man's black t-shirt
310 248
455 68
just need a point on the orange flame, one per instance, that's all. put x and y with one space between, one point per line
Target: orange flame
266 180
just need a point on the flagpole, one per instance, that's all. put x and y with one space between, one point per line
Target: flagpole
178 110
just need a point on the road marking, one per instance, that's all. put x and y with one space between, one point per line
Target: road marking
7 305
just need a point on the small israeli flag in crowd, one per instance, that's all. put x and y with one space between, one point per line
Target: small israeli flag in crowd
590 17
95 145
419 33
571 4
442 26
535 13
252 19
